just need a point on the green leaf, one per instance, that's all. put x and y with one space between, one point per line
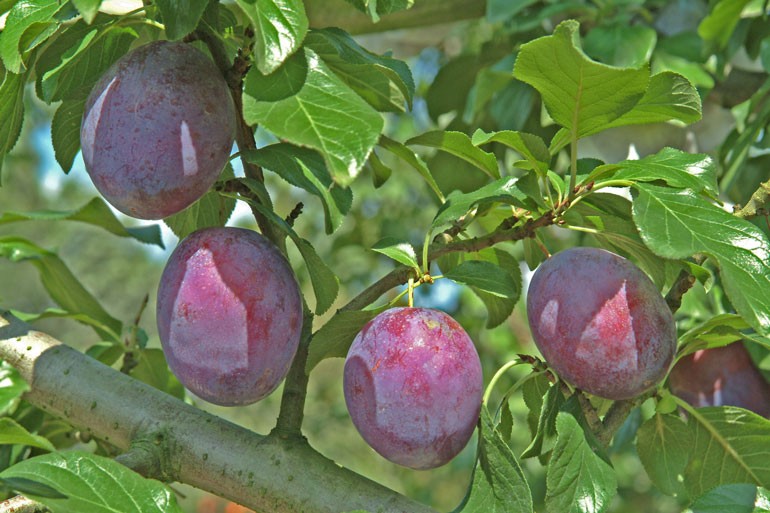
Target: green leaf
400 251
88 8
669 96
718 26
735 498
279 25
531 147
679 224
677 168
325 283
325 114
11 110
65 132
60 283
306 169
180 17
11 432
25 487
82 65
545 434
414 160
385 83
498 307
24 15
577 479
84 477
334 338
729 445
611 216
458 204
485 276
151 368
498 485
533 392
459 145
581 95
11 387
58 313
97 213
380 172
621 44
211 209
664 444
718 331
287 81
106 352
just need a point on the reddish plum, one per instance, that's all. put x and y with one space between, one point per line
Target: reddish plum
600 323
229 315
413 386
158 129
721 376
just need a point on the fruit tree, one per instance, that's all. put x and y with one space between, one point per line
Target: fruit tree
360 256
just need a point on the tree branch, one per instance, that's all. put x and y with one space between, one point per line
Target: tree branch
244 136
756 204
292 412
339 13
21 504
400 275
265 473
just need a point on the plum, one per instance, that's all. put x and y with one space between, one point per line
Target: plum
600 323
721 376
229 315
413 386
158 129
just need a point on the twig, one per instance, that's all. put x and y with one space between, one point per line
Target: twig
756 204
400 275
244 136
21 504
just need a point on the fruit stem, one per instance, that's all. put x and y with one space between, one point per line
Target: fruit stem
411 292
425 247
497 376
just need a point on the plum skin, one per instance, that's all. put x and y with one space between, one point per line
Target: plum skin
229 315
413 386
157 130
600 323
721 376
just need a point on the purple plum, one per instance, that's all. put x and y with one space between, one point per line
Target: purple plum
229 315
413 386
158 129
721 376
601 323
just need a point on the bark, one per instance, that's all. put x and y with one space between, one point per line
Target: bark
181 443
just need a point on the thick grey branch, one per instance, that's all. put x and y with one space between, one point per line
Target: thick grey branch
265 473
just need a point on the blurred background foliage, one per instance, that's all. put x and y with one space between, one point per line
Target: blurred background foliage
463 74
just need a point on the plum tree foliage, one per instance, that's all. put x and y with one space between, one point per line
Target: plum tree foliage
613 168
